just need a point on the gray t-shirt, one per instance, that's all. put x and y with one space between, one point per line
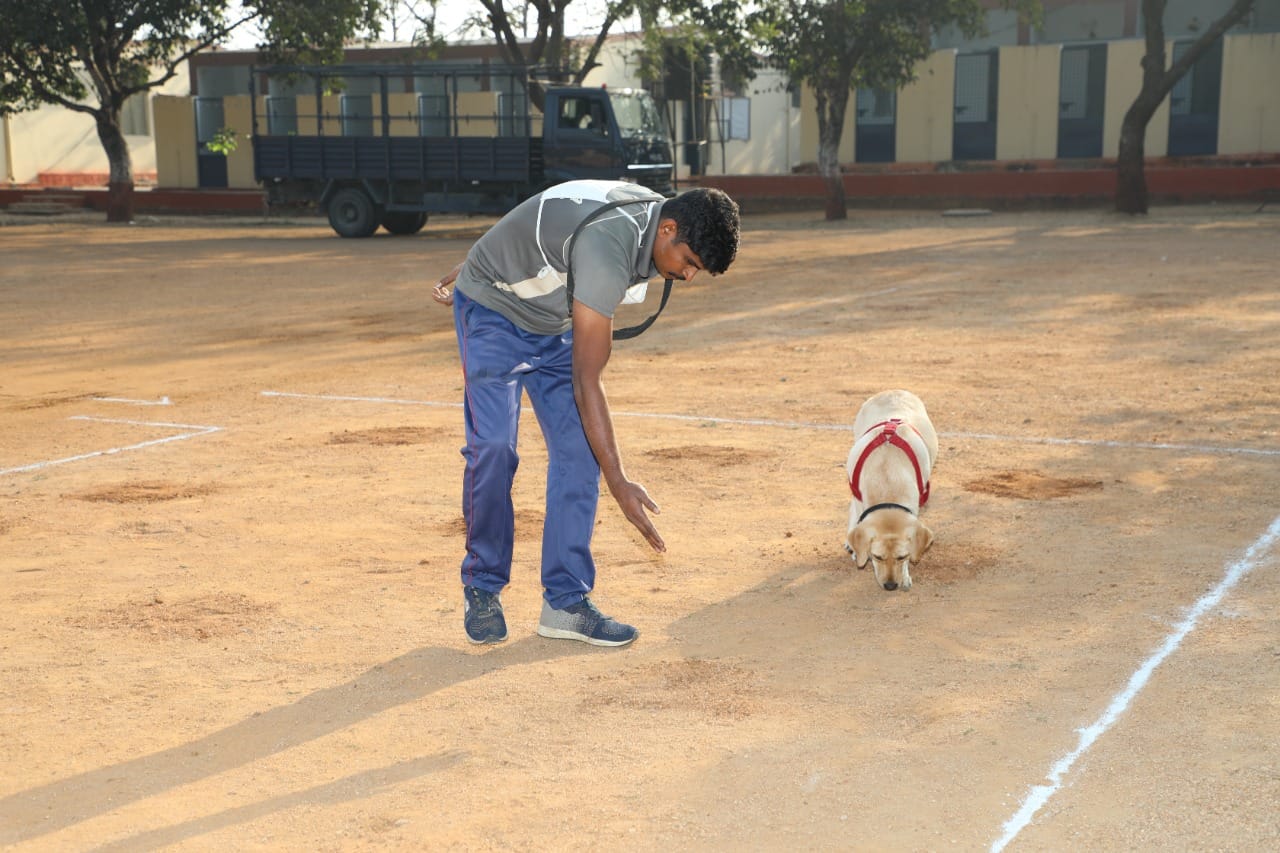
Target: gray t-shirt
518 267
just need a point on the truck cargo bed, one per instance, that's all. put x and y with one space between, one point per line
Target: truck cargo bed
397 158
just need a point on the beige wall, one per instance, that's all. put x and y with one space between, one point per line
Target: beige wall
926 111
809 128
402 107
774 146
1027 110
175 132
1124 82
236 116
476 113
56 139
1251 109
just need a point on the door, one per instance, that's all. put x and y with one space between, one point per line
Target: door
1193 104
211 166
977 81
875 132
1081 97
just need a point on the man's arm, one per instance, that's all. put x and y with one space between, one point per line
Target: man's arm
592 344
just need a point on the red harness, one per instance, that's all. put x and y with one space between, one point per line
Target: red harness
889 436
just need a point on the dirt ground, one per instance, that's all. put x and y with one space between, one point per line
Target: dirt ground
230 535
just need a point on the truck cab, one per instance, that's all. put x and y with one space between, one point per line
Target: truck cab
609 134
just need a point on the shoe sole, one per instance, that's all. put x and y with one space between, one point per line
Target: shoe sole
486 641
563 634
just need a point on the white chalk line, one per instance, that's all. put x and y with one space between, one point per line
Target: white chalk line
1040 794
194 431
766 422
163 401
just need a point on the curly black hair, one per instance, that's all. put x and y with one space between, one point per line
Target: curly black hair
707 220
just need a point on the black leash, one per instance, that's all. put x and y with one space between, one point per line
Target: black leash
631 331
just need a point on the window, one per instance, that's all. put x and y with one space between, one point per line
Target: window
133 116
208 118
357 115
433 115
735 118
282 115
512 110
584 114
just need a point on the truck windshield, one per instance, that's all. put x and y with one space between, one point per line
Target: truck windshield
637 113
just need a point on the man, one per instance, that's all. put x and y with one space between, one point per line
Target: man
520 330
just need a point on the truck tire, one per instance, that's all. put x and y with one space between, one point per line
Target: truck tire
352 213
404 224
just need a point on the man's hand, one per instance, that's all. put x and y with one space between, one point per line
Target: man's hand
592 343
634 500
441 292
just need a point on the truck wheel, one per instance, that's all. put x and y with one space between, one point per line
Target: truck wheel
352 213
404 223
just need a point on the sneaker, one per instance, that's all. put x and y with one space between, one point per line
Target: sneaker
483 616
583 621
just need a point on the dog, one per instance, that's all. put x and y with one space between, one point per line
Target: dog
888 468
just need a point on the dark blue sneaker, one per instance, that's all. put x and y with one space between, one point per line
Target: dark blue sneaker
483 616
584 622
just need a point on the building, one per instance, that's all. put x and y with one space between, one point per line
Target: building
1019 101
56 147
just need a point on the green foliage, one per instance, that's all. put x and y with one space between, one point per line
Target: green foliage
698 29
859 43
224 141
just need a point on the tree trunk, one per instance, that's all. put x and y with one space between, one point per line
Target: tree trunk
1131 179
832 101
1131 176
120 182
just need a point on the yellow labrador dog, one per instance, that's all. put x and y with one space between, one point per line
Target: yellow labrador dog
889 467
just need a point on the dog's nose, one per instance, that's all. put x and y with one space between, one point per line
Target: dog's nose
890 585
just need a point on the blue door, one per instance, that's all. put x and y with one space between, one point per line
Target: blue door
1081 98
875 128
977 85
1193 104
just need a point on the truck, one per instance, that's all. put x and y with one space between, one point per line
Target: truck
388 145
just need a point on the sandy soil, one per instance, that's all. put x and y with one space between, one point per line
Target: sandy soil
230 536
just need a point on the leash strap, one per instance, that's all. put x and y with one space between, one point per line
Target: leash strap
630 331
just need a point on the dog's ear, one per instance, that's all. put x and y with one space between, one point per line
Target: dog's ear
860 542
923 539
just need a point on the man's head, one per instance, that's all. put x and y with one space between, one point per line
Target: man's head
703 221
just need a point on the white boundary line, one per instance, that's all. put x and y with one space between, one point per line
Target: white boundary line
764 422
163 401
1040 794
197 431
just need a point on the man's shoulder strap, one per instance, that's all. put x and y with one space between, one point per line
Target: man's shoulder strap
631 331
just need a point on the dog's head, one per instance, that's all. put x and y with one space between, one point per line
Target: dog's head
891 540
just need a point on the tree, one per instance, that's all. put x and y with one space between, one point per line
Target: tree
717 27
416 21
92 55
839 45
1157 82
549 46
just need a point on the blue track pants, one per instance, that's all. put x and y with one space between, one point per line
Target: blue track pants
499 362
